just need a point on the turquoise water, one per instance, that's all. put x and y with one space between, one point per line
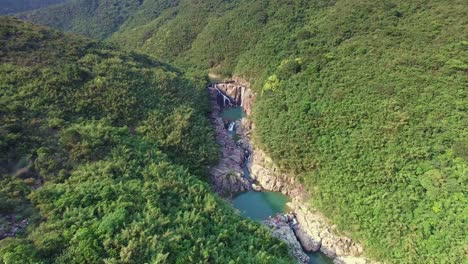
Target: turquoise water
260 205
319 258
233 113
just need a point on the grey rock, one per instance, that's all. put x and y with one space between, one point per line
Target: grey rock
227 175
308 243
284 232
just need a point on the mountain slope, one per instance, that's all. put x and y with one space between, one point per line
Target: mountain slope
364 101
103 153
97 19
16 6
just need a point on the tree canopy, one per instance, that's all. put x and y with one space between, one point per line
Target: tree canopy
364 101
105 152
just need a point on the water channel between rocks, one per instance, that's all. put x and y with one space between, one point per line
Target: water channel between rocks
259 206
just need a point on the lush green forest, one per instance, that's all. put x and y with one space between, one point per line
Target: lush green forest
104 152
15 6
365 101
97 19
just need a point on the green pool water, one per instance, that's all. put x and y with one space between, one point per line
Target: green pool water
233 113
319 258
259 205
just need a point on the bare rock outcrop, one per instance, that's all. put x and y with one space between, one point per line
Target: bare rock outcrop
284 232
227 175
321 233
308 243
240 94
267 174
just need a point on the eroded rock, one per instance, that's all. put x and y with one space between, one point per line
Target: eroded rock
318 230
284 232
308 243
227 175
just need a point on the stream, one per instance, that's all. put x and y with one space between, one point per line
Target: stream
259 206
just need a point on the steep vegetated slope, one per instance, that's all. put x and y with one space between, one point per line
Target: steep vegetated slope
110 147
364 101
16 6
97 19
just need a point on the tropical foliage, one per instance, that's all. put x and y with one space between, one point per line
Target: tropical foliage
16 6
105 153
364 101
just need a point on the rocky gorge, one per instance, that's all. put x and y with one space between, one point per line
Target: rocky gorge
313 233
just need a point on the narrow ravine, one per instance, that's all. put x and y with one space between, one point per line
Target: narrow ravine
246 176
247 196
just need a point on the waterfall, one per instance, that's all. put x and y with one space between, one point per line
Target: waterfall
225 98
231 126
242 97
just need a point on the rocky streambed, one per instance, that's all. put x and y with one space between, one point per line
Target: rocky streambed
243 167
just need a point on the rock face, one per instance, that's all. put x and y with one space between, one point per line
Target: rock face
267 174
308 243
284 232
227 176
240 94
319 235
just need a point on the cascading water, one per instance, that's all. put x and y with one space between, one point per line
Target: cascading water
242 97
225 98
231 127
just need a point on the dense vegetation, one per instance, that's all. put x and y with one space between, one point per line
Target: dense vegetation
105 152
15 6
97 19
365 101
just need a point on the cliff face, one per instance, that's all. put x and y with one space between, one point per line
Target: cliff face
227 175
240 93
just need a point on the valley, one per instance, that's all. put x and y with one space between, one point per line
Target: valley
349 113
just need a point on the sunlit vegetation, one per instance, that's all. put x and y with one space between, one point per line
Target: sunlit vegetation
365 101
105 152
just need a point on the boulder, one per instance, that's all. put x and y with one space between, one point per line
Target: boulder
284 232
308 243
256 187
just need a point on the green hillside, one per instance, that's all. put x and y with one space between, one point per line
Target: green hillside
105 152
97 19
364 101
16 6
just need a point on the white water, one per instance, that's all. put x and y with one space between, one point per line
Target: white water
231 126
225 98
242 96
